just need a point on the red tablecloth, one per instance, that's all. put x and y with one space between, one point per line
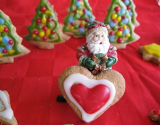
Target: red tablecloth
32 79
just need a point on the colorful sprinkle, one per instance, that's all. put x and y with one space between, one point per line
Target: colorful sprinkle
130 13
11 51
88 13
119 33
111 23
125 31
1 21
71 27
43 9
78 3
70 19
122 11
125 21
111 38
5 39
114 16
119 40
117 9
118 18
81 30
0 38
91 20
1 28
128 35
126 2
41 33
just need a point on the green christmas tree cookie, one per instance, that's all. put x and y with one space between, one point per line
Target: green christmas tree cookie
79 17
131 10
45 31
121 30
10 42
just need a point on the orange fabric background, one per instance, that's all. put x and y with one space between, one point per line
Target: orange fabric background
32 79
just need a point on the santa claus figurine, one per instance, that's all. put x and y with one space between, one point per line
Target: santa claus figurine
97 54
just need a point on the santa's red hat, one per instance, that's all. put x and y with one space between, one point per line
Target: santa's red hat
97 26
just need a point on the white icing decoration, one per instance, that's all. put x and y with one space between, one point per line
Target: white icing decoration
8 113
89 83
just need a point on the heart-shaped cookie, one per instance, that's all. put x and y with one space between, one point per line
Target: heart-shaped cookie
90 95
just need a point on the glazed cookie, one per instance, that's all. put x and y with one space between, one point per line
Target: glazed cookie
150 53
45 31
155 115
121 32
79 17
6 113
90 95
10 42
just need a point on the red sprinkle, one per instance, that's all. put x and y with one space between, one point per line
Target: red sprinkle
10 42
128 8
80 25
100 43
117 9
52 32
74 11
120 29
45 38
84 10
45 28
43 9
111 33
38 21
4 50
49 19
72 24
115 21
35 32
119 40
123 17
5 29
87 20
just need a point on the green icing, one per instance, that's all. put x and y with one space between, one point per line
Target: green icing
114 3
8 24
41 15
76 16
132 9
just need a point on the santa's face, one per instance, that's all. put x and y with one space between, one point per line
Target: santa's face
98 42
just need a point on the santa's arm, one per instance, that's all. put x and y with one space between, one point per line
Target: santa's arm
82 56
112 56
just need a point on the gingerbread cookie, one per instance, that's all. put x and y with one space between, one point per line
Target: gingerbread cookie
150 53
91 88
155 115
10 42
45 31
91 95
79 17
6 112
121 32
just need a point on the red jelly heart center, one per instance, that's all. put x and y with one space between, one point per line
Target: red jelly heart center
91 99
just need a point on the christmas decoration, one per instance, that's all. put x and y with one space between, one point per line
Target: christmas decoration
10 42
45 31
121 32
79 17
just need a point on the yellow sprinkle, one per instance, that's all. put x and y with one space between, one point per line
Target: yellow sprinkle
114 16
1 55
0 39
124 27
41 33
80 13
152 49
71 27
119 33
48 12
83 22
33 35
1 28
48 32
128 35
82 4
118 18
43 20
11 51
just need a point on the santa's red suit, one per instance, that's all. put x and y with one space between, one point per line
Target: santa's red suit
83 51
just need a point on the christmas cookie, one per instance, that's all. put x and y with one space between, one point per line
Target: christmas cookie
97 54
79 17
6 112
131 10
121 32
10 41
45 31
91 95
150 53
155 115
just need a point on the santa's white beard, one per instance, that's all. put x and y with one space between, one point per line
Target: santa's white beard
96 47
